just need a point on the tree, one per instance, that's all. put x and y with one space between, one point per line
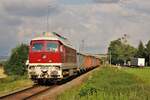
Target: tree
16 63
129 52
121 52
148 52
115 50
141 51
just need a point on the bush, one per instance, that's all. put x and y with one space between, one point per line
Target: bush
16 63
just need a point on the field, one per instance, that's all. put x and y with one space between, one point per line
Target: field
112 84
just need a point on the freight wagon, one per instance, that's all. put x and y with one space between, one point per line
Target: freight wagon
86 62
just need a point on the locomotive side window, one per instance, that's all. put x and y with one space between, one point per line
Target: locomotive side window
52 47
37 47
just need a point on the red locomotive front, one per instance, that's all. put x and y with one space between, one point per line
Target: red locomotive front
51 57
45 51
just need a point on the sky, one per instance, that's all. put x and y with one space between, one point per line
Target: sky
97 22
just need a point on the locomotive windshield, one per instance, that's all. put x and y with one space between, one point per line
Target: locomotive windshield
37 47
52 47
44 46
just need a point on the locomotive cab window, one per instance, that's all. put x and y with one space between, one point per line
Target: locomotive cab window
37 47
53 47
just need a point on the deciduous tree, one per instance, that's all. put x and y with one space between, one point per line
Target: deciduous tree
121 52
16 63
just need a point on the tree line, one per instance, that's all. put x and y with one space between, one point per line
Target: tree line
122 52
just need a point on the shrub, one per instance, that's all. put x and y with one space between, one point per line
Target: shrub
16 63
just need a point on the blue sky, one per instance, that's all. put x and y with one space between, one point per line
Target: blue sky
97 22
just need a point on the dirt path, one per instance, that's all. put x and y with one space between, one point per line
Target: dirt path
52 94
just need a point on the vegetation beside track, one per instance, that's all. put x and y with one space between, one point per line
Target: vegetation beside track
13 73
13 83
16 64
143 73
112 84
122 52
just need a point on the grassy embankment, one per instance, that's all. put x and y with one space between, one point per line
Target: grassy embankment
113 84
12 83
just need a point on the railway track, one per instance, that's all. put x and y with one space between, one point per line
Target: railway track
28 93
34 91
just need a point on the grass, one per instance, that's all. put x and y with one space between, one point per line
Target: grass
112 84
144 73
12 83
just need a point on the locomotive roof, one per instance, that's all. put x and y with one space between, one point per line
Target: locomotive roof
52 37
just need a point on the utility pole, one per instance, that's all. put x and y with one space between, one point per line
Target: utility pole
48 18
81 48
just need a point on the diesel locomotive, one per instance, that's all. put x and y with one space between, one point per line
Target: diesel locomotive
53 58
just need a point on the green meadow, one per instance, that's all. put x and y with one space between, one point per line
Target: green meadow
112 84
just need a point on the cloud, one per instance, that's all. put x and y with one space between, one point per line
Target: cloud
106 1
30 7
141 7
88 2
95 21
